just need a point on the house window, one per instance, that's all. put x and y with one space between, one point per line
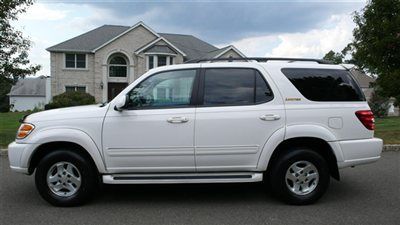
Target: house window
75 61
161 60
75 88
151 62
154 61
118 66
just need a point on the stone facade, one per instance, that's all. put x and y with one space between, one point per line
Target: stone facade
95 77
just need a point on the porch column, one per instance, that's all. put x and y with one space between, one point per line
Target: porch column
131 73
105 83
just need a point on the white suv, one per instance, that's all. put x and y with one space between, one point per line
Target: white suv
291 122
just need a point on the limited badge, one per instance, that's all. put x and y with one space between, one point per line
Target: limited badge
293 99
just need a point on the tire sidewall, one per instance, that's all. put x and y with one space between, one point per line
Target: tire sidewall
87 175
283 164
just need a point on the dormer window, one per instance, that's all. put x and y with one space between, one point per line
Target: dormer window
75 61
154 61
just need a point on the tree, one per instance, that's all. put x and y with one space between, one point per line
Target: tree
334 57
339 57
14 47
377 44
379 104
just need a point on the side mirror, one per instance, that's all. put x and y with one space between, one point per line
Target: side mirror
121 103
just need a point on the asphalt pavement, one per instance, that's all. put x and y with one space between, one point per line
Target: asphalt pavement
368 194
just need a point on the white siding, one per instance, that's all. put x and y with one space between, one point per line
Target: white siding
22 103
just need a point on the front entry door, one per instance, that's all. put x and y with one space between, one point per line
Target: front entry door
114 89
155 132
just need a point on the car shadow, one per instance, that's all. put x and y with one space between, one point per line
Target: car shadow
207 193
185 193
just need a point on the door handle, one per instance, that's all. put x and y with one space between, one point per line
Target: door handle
177 119
270 117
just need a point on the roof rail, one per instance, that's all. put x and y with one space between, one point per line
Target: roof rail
261 59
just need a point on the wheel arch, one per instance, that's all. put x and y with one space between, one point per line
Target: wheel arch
46 148
318 145
71 139
314 137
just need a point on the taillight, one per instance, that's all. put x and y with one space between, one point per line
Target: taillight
367 118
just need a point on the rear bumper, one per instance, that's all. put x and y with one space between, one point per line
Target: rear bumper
357 152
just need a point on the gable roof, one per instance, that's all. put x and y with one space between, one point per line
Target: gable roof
126 31
362 79
160 49
29 87
155 42
90 40
229 48
94 39
191 45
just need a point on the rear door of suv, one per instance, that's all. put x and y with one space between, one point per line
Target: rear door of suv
238 110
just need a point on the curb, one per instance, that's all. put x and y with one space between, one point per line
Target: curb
386 148
3 152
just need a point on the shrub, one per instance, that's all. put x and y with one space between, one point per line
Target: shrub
68 99
379 104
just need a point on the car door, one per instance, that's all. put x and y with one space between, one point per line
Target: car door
154 133
237 114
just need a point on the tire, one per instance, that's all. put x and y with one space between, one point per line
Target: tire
300 176
65 178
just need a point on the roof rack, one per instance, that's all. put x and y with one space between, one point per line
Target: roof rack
261 59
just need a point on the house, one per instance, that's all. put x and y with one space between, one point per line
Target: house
30 93
364 81
105 60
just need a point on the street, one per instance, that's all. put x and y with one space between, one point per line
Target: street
368 194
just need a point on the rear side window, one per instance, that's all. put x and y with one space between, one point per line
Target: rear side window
235 87
324 84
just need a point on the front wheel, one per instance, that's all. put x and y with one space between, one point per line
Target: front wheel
300 176
65 178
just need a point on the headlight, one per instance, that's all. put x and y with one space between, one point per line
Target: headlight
24 130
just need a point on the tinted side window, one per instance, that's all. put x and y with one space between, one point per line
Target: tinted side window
263 92
163 90
324 84
234 87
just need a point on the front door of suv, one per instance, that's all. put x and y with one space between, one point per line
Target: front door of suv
238 111
155 131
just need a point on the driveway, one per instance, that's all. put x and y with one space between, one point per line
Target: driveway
367 194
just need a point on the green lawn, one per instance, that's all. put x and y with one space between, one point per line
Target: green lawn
9 123
386 128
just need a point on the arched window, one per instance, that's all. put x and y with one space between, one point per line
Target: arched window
117 66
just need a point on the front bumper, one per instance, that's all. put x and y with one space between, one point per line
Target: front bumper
18 155
357 152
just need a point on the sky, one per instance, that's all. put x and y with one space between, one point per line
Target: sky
287 28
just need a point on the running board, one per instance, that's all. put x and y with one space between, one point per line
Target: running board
182 178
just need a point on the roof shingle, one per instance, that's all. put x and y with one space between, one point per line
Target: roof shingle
90 40
29 87
192 46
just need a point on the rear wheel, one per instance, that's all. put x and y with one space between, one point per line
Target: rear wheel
300 176
65 178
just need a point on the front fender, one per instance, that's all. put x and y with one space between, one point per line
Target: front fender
76 136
